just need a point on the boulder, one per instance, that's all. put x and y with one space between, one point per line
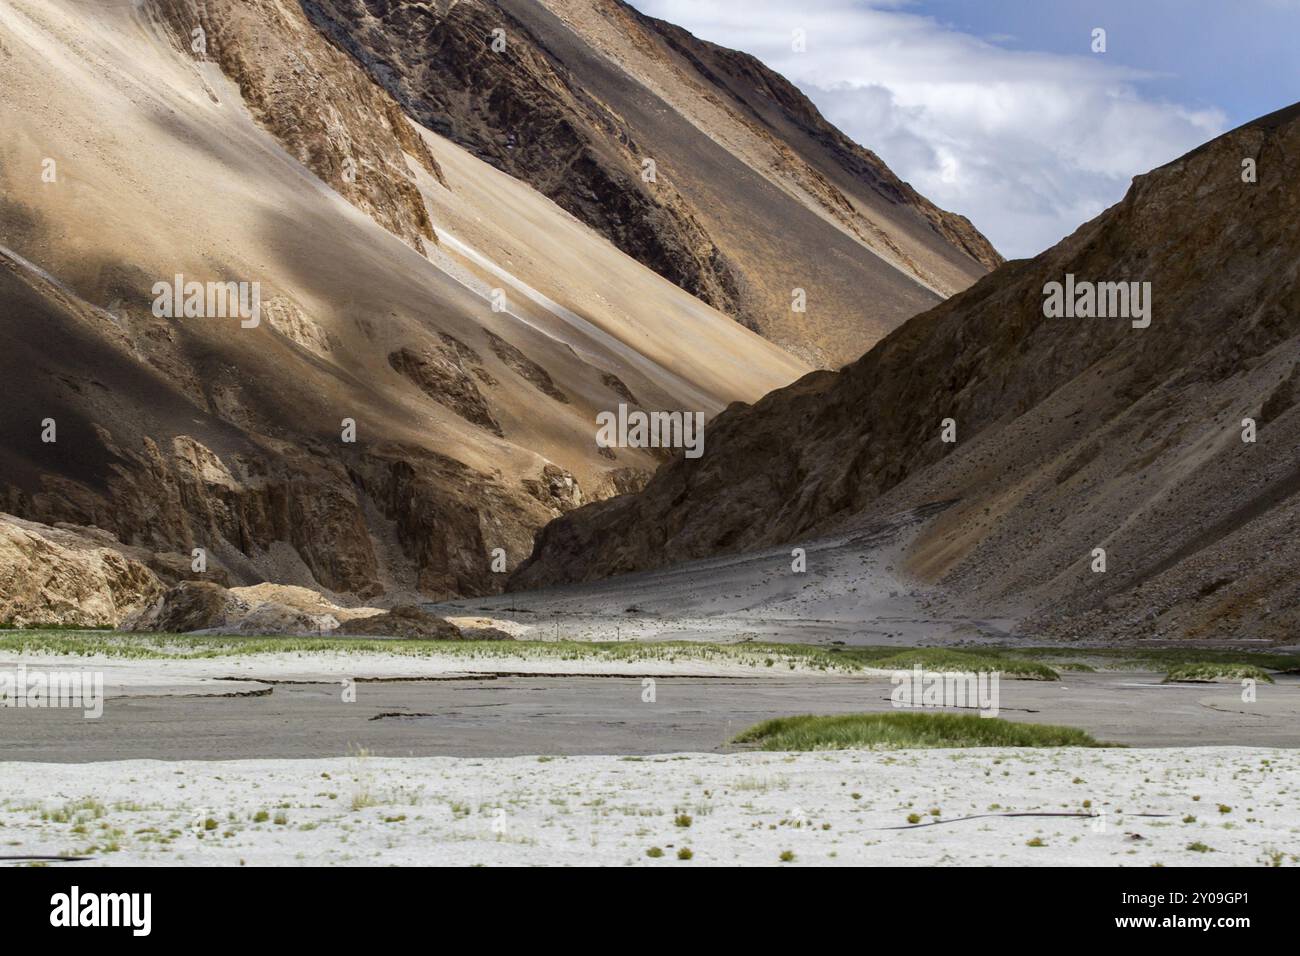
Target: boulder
58 577
405 621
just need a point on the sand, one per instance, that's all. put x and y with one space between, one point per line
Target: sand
1148 807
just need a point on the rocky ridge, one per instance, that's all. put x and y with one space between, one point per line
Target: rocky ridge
1072 434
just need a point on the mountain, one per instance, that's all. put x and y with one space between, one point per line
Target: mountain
754 193
433 337
1072 434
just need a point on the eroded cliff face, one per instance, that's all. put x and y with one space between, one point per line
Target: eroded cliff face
1072 433
522 111
78 577
329 116
58 577
363 519
307 515
752 193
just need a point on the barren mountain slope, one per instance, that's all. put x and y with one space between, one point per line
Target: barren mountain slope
129 158
754 195
1072 433
766 121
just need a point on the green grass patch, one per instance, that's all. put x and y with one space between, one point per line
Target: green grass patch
890 731
943 659
1206 673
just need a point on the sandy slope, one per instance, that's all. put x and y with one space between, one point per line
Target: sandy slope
1144 807
777 240
162 170
573 286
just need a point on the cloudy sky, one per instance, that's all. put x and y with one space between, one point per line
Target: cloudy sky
1000 110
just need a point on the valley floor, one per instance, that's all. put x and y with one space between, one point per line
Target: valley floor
461 758
848 587
281 751
1231 805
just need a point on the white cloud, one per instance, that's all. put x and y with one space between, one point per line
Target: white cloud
1028 145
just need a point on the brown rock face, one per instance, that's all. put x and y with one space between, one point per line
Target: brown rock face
526 368
405 621
448 517
58 577
189 606
556 489
443 376
185 497
749 195
1072 433
331 118
520 110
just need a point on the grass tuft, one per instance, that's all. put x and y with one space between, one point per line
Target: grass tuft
1209 672
890 731
966 662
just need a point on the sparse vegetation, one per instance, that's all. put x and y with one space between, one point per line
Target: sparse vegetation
1034 663
1152 659
944 659
907 730
1207 672
751 653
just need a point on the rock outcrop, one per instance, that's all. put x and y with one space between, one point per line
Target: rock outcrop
56 577
442 374
405 621
329 116
268 609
